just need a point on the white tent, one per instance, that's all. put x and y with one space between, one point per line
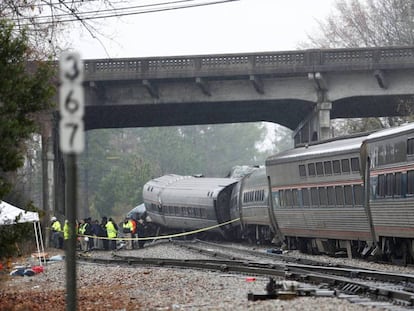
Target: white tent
10 215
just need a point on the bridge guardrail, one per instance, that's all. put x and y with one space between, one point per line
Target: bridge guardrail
268 63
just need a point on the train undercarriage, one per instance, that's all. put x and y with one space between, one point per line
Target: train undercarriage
254 234
394 250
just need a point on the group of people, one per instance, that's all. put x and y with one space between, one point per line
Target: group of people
104 235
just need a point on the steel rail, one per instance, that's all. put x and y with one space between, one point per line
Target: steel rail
292 273
312 265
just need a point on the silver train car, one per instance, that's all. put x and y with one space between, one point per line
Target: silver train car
317 199
184 203
354 194
388 167
250 201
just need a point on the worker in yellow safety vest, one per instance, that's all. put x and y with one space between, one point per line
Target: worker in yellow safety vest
65 233
57 236
112 232
127 231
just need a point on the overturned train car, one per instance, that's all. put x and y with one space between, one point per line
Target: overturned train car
184 203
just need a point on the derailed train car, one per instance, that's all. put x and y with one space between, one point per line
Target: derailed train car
184 203
250 203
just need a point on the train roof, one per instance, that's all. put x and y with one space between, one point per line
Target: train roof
331 147
189 182
389 132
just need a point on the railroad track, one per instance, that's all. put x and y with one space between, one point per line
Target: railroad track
389 290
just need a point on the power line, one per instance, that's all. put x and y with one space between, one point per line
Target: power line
114 9
78 16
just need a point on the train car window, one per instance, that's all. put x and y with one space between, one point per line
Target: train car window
176 210
295 197
311 169
196 212
190 211
314 197
319 168
305 197
302 170
349 200
184 211
203 213
263 196
336 167
410 182
345 166
339 196
410 146
323 196
281 198
289 199
331 196
355 164
358 195
381 186
390 181
398 184
328 167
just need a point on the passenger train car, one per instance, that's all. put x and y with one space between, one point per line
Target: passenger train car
353 194
249 202
319 202
188 202
388 167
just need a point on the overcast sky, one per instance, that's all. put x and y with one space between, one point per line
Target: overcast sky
234 27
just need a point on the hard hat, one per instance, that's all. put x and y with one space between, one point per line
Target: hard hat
53 218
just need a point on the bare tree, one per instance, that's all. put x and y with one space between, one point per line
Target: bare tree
366 23
45 20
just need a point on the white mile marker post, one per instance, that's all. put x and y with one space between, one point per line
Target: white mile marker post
72 142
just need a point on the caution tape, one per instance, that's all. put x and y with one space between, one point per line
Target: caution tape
161 236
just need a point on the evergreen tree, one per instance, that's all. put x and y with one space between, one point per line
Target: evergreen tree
22 94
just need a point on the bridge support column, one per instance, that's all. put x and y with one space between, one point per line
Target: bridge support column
316 126
47 174
323 111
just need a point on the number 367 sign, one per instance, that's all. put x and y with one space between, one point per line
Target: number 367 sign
71 102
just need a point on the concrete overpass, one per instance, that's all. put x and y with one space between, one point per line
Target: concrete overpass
302 90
